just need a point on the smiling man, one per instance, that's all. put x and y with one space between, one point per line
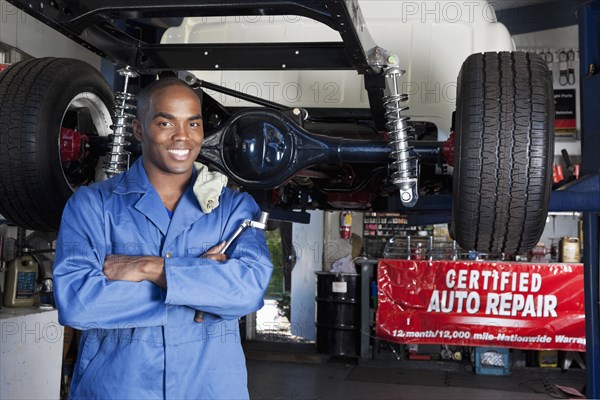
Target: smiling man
138 255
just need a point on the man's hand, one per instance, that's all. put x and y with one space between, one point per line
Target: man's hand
213 253
118 267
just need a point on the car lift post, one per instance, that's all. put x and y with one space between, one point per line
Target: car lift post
589 53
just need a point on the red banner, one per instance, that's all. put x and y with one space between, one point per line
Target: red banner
475 303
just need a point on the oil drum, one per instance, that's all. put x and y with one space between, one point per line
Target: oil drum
338 314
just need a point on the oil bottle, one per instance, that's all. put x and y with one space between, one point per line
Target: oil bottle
20 283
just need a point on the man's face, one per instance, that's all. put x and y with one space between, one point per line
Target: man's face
170 131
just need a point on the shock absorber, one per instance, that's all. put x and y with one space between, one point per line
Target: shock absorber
404 165
124 113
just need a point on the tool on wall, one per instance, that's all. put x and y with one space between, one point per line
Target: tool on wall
548 56
566 59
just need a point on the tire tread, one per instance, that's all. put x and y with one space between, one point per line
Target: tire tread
504 130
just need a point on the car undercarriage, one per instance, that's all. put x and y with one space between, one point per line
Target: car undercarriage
295 158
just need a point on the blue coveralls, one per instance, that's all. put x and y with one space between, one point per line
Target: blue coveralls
140 341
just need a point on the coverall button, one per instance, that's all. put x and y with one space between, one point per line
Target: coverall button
168 255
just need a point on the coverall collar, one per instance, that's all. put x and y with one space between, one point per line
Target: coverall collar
188 211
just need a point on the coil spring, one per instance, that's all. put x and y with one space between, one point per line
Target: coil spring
403 174
124 113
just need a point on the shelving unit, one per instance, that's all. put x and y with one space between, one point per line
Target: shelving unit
379 228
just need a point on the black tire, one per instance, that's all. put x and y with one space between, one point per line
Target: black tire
38 97
503 152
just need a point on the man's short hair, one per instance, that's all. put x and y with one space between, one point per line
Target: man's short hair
143 98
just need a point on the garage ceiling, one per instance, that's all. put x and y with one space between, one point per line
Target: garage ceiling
525 16
506 4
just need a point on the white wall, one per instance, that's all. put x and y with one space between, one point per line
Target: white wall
556 39
334 246
566 37
27 34
308 244
559 225
317 245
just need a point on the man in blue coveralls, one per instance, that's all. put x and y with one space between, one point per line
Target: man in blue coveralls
137 256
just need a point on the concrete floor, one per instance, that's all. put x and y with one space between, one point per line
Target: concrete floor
276 374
